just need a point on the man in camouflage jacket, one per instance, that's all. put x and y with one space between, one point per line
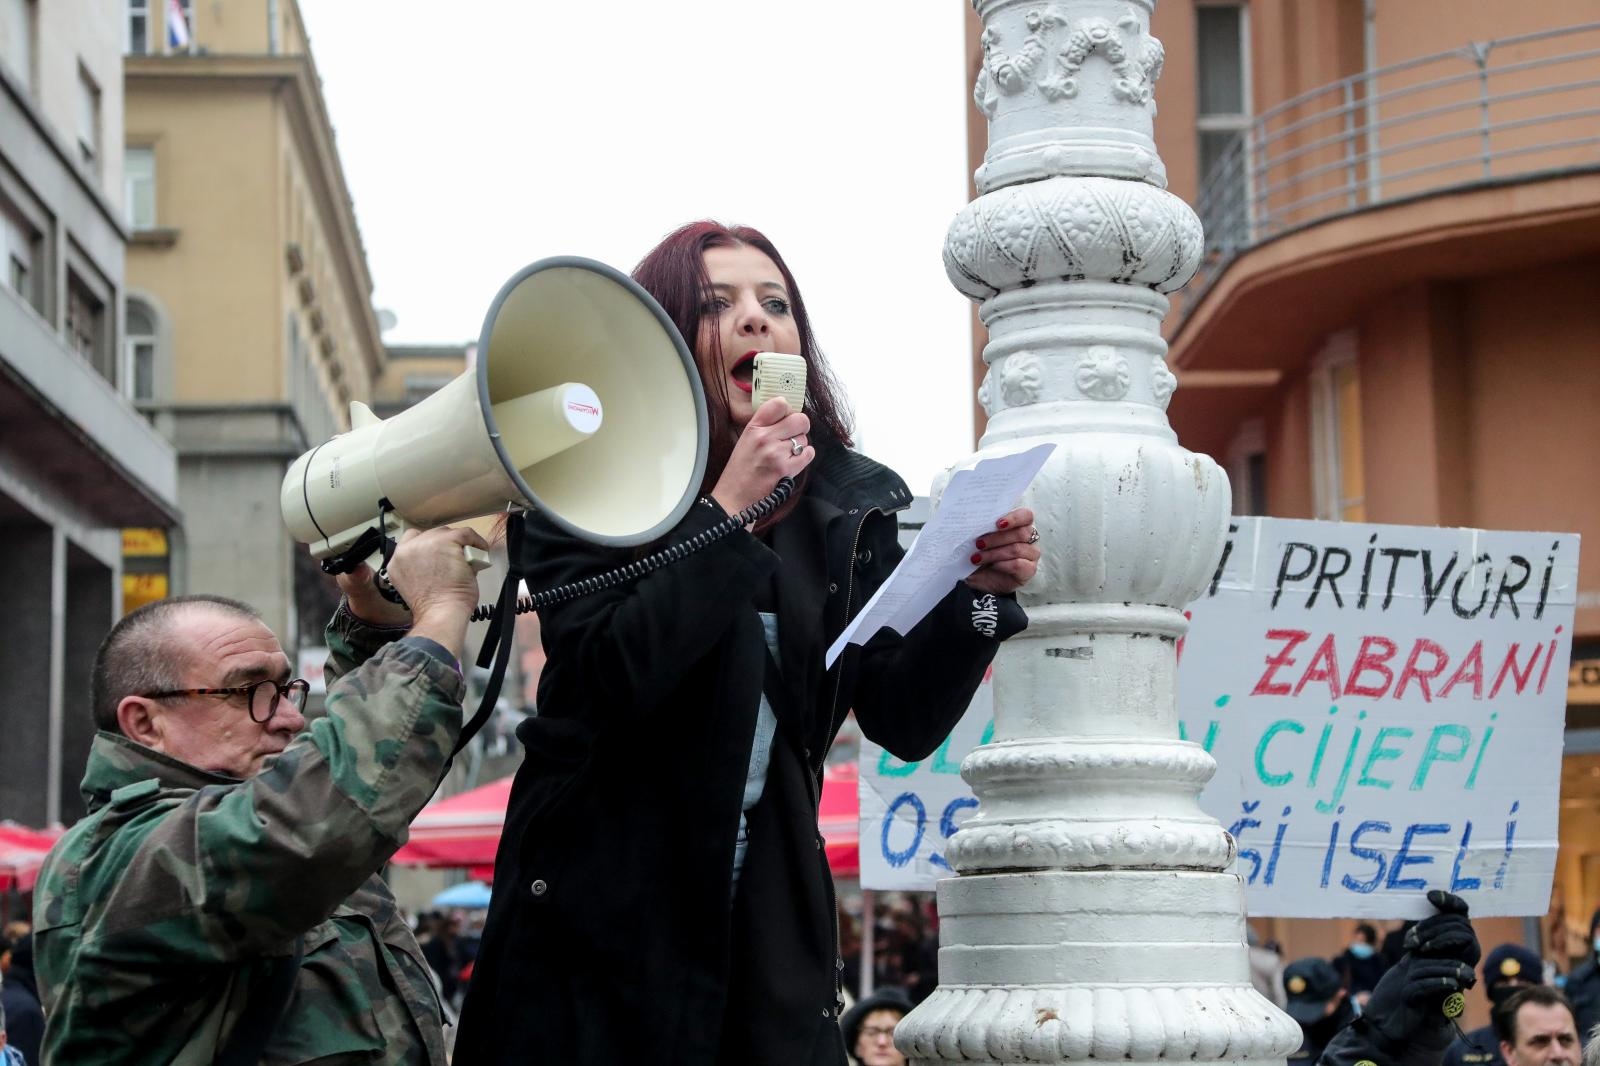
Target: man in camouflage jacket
219 842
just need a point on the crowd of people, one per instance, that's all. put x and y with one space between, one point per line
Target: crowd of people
21 1016
1413 982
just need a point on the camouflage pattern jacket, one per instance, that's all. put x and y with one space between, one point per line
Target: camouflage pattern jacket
158 916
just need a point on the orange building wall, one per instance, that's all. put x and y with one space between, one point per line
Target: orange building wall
1288 431
1534 389
1173 24
1414 424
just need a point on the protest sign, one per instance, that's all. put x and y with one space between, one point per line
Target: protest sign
1385 704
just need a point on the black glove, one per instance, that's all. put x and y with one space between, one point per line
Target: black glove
1409 1019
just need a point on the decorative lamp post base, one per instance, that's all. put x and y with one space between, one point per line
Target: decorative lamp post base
1039 967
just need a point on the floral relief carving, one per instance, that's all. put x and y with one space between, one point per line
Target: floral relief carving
1073 228
1163 382
1103 374
986 393
1007 74
1021 378
1056 844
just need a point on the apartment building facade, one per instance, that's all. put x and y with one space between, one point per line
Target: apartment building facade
77 460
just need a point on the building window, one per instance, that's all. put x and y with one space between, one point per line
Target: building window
88 120
21 248
137 42
1336 452
139 187
1224 122
19 36
1247 468
86 323
139 351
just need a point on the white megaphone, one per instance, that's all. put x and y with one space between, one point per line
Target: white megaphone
585 404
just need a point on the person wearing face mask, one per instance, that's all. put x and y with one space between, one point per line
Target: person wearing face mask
1360 965
1583 987
662 891
1508 969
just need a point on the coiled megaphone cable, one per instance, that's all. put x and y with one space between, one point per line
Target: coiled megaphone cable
639 568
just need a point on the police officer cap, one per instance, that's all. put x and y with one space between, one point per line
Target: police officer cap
1310 984
1512 962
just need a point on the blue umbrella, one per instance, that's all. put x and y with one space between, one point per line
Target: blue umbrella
469 894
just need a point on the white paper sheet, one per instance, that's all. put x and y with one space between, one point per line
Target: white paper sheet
942 555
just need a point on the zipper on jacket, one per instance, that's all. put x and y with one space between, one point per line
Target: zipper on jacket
833 710
849 590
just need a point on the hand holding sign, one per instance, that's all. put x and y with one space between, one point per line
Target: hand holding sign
1411 1012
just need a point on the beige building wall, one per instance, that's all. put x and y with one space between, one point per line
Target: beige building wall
254 266
214 175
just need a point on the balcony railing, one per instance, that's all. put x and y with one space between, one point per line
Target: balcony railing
1487 112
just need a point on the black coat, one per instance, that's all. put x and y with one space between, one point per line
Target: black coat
614 935
1583 992
19 997
1478 1048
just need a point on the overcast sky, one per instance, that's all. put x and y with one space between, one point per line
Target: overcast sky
478 137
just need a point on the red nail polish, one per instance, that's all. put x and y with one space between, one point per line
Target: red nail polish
981 544
976 558
1003 523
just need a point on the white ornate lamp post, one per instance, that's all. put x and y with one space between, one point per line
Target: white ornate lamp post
1093 917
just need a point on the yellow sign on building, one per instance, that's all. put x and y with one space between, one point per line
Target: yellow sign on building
144 543
140 589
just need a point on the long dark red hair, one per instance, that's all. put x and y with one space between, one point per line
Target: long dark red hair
674 272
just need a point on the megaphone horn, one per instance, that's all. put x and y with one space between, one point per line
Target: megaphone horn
585 403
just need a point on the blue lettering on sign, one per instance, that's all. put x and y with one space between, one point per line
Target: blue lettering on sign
897 859
947 824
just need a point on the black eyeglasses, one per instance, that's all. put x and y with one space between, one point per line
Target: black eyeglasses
261 697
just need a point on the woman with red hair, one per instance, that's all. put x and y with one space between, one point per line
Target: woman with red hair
662 892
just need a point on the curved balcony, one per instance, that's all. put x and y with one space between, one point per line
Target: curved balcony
1354 171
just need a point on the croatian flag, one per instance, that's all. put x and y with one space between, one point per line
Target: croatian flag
177 25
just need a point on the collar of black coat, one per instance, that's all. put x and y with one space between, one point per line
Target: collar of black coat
851 480
116 762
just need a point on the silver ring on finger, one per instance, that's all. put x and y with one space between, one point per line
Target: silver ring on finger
1033 538
795 447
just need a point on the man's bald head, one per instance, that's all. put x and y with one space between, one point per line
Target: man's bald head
139 655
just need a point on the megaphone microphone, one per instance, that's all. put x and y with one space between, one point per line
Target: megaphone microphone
585 404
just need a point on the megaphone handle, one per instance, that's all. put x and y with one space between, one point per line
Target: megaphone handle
477 558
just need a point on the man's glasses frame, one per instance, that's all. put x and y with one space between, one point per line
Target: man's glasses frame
295 691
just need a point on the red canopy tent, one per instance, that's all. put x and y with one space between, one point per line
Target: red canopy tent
22 852
464 830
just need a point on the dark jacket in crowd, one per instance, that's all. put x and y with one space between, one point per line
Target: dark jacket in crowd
1361 975
1481 1047
1583 990
19 996
1318 1035
1583 987
615 934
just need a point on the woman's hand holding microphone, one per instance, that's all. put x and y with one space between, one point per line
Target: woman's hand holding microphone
773 445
